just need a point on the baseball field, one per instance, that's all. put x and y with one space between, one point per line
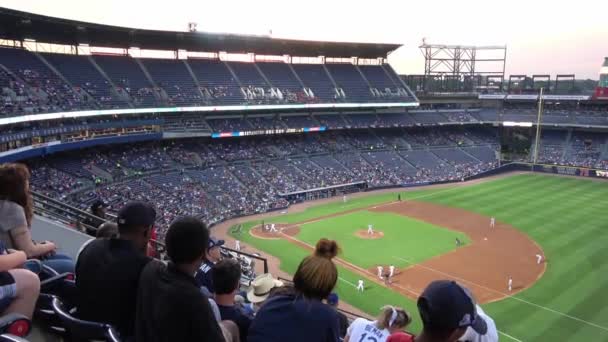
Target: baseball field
565 220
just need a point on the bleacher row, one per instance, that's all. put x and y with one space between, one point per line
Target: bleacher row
50 130
45 82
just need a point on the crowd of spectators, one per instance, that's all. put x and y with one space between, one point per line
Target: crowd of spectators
225 178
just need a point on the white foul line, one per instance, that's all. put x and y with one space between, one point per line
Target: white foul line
509 336
509 296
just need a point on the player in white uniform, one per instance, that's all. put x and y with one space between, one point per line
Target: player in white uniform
492 222
391 270
237 245
273 228
539 259
370 229
380 270
343 198
510 283
389 320
360 285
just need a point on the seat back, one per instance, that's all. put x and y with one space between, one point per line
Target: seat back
84 330
45 315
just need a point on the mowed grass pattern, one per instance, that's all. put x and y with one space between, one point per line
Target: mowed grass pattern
403 236
568 217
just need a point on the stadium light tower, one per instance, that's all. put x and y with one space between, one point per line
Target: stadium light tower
538 121
471 64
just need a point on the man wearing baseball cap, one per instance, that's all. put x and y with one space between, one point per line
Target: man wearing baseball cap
98 211
447 310
204 276
108 270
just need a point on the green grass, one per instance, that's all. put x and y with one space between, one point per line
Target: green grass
403 237
567 217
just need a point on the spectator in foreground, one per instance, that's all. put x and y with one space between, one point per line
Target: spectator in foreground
203 276
333 301
16 215
490 336
302 316
107 230
261 288
108 270
19 288
390 320
170 304
447 310
400 336
227 279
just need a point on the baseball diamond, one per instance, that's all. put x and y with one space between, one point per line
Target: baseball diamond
534 215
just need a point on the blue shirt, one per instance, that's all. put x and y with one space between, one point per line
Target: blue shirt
204 276
233 313
295 319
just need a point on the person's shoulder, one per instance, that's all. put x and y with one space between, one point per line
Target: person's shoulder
152 270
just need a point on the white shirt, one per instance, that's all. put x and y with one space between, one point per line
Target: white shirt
360 283
363 330
392 269
490 336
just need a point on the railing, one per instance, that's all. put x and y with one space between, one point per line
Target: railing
74 217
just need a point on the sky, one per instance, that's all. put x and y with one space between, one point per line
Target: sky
542 36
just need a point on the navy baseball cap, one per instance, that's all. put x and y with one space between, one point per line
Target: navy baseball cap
333 298
445 305
213 242
136 213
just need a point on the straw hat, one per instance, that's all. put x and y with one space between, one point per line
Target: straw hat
261 286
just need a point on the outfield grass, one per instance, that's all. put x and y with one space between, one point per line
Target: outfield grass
402 236
567 217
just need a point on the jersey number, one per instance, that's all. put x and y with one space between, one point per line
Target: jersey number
370 338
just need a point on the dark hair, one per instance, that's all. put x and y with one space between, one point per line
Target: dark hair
226 276
13 178
186 239
399 317
317 275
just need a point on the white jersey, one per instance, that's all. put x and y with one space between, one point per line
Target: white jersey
364 330
391 270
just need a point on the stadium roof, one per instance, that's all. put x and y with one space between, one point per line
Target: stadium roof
17 25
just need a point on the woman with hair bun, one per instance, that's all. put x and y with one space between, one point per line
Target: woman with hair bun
390 320
300 315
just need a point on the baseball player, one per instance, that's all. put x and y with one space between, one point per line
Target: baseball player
370 229
458 242
510 283
380 271
360 285
343 198
273 229
237 245
492 222
391 271
539 259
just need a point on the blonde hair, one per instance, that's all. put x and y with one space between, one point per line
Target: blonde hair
392 317
317 275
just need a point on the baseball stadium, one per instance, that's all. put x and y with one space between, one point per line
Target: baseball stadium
268 150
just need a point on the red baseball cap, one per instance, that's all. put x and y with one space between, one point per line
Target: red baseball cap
400 336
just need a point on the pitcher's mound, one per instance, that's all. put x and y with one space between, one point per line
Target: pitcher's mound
364 235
